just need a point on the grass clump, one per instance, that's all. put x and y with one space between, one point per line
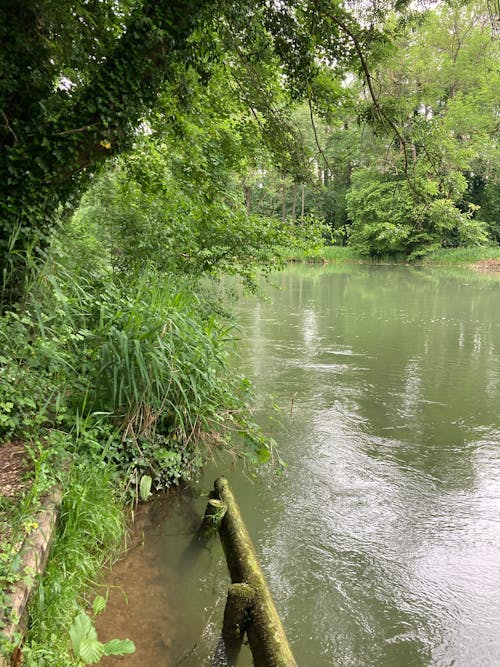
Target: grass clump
340 255
323 253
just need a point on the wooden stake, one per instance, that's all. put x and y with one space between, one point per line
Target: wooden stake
237 615
213 516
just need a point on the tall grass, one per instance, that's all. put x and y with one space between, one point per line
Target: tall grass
462 256
443 256
330 253
157 367
340 255
90 531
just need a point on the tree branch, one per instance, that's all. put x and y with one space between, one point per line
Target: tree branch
8 126
316 140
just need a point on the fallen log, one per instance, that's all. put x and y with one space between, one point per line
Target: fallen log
266 635
34 553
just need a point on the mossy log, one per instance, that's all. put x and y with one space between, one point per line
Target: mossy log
266 635
34 553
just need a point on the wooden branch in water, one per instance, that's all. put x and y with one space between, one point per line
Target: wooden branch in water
266 635
239 603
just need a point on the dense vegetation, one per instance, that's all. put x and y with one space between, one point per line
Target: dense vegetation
148 149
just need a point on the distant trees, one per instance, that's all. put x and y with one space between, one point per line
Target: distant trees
410 161
439 90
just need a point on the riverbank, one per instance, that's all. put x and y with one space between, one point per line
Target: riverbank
392 373
90 528
483 258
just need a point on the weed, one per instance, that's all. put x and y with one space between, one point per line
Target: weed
84 641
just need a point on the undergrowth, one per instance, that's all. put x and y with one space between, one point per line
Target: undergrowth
460 256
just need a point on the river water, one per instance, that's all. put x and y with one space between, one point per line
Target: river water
381 540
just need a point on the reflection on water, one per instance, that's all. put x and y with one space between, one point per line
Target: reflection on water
381 542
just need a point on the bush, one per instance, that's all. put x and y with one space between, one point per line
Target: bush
390 217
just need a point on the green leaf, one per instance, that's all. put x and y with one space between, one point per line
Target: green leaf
263 455
119 647
91 651
99 605
81 629
145 487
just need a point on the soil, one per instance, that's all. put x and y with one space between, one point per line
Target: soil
15 463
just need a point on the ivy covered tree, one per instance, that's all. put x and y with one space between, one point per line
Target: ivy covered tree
77 79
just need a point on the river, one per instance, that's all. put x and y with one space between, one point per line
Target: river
381 540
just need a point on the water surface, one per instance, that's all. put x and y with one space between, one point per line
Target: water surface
381 542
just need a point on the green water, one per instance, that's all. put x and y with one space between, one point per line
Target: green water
381 542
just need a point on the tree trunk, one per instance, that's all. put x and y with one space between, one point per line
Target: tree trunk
294 202
51 142
266 635
239 602
248 200
283 201
302 198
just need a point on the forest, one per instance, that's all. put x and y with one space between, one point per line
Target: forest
149 150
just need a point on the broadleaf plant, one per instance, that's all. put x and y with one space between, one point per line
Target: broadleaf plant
86 645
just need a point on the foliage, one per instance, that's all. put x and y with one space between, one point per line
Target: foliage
417 130
326 254
78 80
74 86
138 349
439 100
17 521
84 640
33 370
388 221
463 256
175 230
160 372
